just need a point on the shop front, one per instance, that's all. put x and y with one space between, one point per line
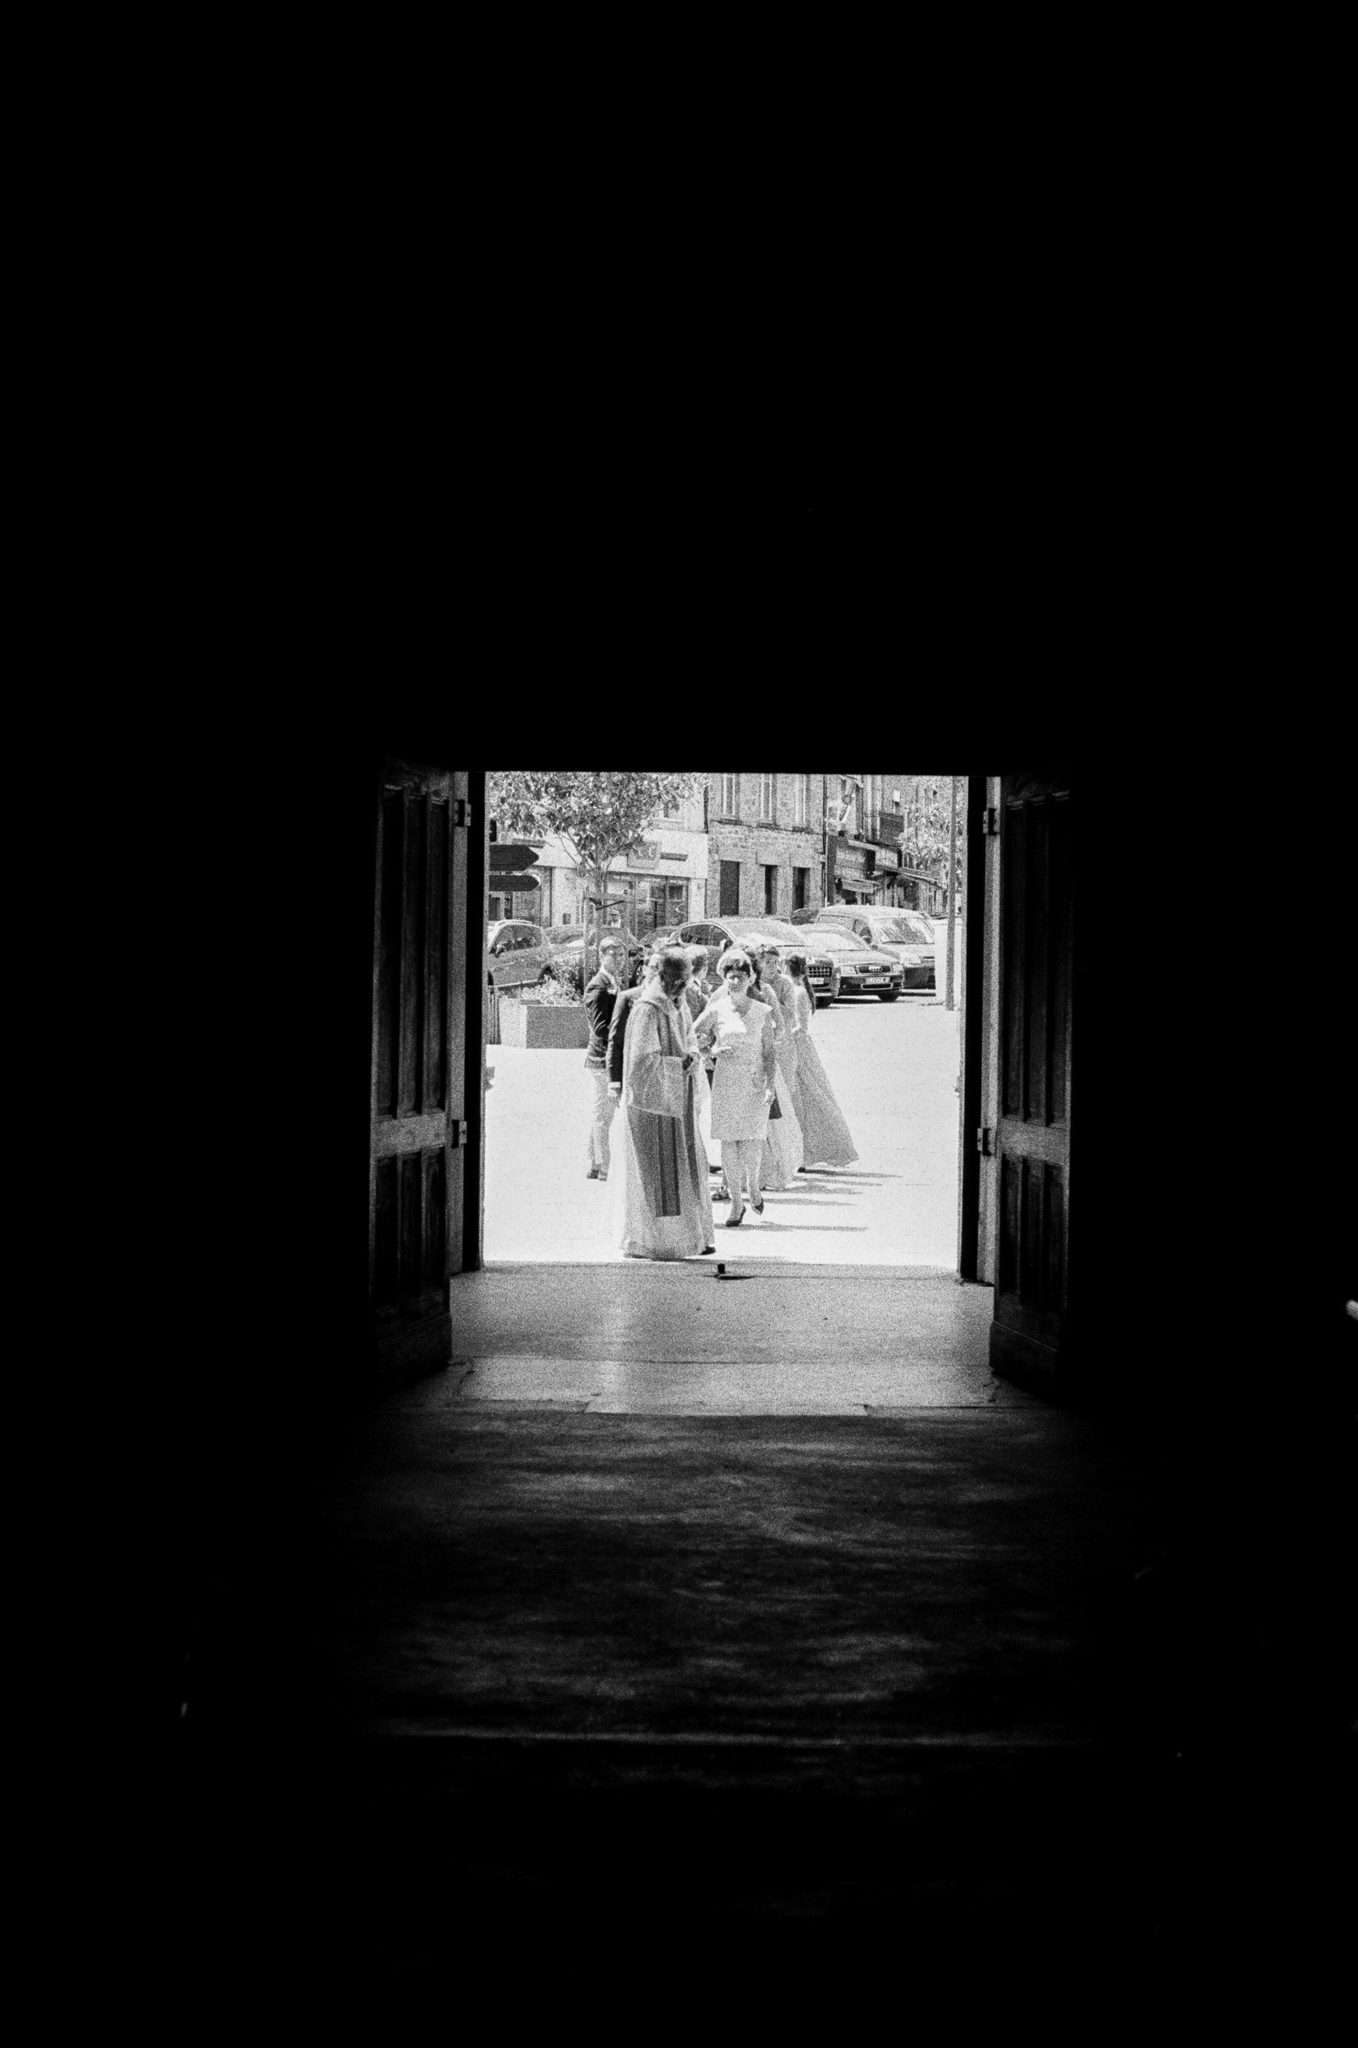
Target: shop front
854 881
664 881
661 883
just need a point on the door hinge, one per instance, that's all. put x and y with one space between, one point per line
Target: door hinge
457 1132
462 812
985 1142
990 822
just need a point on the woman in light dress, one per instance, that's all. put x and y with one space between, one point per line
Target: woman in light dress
660 1203
783 1145
739 1033
825 1135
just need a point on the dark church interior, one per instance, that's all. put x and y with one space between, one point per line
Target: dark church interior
1124 1759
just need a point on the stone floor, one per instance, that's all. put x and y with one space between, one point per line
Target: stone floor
929 1574
692 1627
689 1339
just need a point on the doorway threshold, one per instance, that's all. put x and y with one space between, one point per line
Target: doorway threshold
684 1339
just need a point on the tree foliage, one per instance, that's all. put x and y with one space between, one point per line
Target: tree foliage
601 816
928 800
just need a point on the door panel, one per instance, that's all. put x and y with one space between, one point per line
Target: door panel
1029 1337
416 1194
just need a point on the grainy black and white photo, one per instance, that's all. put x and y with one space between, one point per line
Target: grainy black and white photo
724 1476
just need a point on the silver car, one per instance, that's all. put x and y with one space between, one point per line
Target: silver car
518 954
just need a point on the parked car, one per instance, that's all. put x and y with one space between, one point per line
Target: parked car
518 954
717 933
906 934
863 970
568 941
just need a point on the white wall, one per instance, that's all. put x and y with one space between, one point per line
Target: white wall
940 925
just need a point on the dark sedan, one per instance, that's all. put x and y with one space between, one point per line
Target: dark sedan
906 935
718 933
863 971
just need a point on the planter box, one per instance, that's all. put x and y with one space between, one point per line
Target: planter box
552 1024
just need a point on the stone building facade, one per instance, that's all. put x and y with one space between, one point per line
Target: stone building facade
753 845
867 861
765 841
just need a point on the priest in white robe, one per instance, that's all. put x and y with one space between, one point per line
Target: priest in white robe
660 1202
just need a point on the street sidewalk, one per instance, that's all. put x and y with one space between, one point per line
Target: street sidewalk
894 1069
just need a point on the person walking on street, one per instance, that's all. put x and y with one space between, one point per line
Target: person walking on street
601 993
825 1135
739 1031
696 992
783 1145
659 1203
777 978
696 996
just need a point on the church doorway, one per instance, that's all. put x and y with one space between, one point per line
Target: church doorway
860 1284
530 1272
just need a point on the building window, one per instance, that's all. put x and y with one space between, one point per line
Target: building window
729 905
668 904
730 796
671 807
801 799
768 797
770 892
800 879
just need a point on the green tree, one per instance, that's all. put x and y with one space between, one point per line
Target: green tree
927 825
602 817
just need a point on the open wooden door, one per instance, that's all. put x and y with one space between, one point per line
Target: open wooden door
1030 1334
418 1184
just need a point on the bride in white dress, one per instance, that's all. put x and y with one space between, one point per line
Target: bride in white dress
824 1131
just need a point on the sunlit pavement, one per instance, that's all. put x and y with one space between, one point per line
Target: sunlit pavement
894 1069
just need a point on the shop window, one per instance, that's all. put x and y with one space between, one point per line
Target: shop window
800 879
770 892
668 904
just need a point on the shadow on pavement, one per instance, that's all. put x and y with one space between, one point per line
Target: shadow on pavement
854 1229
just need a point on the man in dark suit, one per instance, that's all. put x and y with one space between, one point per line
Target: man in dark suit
601 993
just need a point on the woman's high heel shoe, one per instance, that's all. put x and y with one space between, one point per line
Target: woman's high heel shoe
757 1204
